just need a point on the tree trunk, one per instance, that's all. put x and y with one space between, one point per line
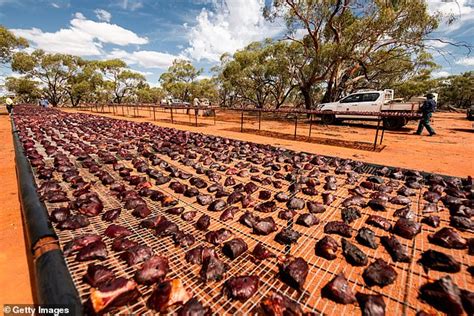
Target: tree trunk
308 99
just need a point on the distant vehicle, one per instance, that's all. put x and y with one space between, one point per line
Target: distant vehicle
368 101
204 102
470 113
178 102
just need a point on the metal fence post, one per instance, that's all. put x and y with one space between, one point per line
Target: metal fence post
296 124
242 121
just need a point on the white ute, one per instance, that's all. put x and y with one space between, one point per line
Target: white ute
367 101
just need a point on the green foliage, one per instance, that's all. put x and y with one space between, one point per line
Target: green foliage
147 94
457 90
348 42
179 80
25 90
8 43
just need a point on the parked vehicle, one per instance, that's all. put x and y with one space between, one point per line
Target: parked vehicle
368 102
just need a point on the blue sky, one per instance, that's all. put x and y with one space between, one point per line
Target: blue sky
149 34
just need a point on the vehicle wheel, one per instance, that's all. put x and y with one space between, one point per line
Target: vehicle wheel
394 123
328 119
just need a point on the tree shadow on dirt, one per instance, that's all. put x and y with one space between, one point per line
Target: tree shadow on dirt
464 130
314 140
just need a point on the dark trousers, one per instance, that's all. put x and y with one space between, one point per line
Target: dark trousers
9 108
425 122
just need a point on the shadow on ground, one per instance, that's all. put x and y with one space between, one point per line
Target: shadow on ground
316 140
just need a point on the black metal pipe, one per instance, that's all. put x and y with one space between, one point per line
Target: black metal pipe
54 284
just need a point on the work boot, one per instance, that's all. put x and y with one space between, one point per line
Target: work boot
432 134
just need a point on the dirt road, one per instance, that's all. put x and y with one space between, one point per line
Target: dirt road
15 283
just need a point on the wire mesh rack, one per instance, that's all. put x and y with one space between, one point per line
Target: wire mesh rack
401 297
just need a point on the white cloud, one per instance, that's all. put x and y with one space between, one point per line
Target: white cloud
131 5
466 61
233 25
461 10
83 38
55 5
144 58
440 74
103 15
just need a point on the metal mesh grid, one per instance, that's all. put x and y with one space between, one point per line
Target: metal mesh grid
400 297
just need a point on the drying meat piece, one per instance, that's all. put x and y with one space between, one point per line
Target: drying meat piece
114 231
379 221
198 254
234 248
311 191
80 242
153 270
430 208
250 188
182 239
286 214
266 207
330 186
360 191
378 204
217 205
443 295
188 216
98 274
350 214
340 228
193 308
406 191
307 220
261 253
397 251
282 197
431 220
278 305
166 228
327 248
432 259
400 200
166 294
219 236
264 195
204 199
354 200
235 197
191 192
136 254
293 271
175 210
449 238
406 228
247 201
242 287
111 215
248 219
338 290
228 213
432 197
264 226
314 207
467 299
152 222
379 273
122 243
295 204
213 269
59 215
371 305
73 222
366 236
141 211
353 254
115 293
203 222
93 251
287 236
461 223
404 212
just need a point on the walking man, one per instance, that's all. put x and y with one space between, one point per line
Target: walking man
427 109
9 104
